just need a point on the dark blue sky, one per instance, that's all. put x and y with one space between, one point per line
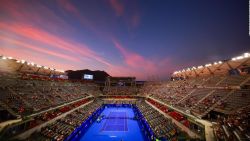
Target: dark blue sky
141 38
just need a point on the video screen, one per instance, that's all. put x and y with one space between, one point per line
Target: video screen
88 77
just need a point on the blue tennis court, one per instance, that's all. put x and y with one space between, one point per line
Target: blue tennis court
117 125
116 121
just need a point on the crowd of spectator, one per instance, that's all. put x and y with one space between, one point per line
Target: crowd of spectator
42 118
120 90
63 127
28 96
25 96
161 126
234 126
201 95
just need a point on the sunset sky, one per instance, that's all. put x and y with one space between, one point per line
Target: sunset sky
142 38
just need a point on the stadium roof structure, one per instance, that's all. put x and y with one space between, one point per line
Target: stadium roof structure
11 65
217 68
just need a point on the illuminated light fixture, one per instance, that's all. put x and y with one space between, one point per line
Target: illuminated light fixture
22 61
18 61
32 64
199 67
4 58
176 72
38 66
45 67
239 57
246 55
9 57
208 65
220 62
51 69
28 63
215 63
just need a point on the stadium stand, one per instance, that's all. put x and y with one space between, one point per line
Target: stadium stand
221 87
38 103
161 126
63 127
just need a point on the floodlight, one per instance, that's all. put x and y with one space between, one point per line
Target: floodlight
208 65
246 55
199 67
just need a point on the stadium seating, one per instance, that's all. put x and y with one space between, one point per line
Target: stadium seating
238 99
202 95
63 127
234 126
161 126
38 99
120 90
28 96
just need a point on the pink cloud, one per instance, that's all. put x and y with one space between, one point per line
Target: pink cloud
135 20
134 63
140 66
73 10
42 36
32 56
133 59
37 49
117 7
37 13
